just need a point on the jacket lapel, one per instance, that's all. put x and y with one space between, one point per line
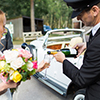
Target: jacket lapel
91 39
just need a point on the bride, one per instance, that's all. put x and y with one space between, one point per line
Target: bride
5 43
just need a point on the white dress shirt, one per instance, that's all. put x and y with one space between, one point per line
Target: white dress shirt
95 28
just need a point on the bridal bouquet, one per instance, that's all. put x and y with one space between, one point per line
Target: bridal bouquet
16 65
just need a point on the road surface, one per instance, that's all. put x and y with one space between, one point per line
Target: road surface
35 90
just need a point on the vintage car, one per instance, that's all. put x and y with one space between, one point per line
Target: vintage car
54 40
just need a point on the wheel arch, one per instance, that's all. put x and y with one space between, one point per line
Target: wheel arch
72 88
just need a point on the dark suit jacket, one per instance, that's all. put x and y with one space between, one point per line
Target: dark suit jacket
89 75
6 42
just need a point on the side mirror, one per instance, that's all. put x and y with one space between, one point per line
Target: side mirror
31 48
24 45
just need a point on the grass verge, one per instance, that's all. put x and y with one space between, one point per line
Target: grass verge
19 42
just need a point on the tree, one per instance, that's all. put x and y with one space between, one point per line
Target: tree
15 8
54 12
32 16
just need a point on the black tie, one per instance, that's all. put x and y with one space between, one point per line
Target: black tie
91 36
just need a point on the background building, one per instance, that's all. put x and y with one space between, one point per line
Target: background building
23 24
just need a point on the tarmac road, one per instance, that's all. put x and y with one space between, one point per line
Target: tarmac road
35 90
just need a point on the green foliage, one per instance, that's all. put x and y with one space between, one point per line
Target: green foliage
24 67
25 76
32 72
8 78
15 8
6 67
54 12
26 73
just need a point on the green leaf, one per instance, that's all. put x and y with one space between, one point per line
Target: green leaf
24 67
24 76
8 78
32 72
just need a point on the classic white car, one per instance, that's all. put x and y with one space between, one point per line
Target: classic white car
55 77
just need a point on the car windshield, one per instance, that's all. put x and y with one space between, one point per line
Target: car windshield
58 40
61 36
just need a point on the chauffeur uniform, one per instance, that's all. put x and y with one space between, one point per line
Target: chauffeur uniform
89 75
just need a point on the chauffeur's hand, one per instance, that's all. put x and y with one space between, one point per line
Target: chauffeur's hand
80 47
60 57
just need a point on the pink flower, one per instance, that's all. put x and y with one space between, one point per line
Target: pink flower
24 53
2 58
35 64
20 55
4 79
25 59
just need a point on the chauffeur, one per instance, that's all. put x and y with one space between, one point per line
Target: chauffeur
88 11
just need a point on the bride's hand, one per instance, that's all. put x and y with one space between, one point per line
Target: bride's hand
11 84
43 65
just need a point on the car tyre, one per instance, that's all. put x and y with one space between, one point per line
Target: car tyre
79 95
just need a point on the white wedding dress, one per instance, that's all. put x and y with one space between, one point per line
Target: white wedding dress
6 95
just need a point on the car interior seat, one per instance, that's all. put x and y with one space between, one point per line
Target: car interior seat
74 41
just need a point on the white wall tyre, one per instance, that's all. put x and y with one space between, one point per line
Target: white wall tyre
79 97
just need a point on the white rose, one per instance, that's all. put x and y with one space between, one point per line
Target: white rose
17 63
30 66
10 55
11 71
